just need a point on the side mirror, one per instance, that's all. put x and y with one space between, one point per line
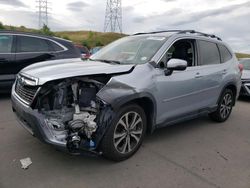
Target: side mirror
176 64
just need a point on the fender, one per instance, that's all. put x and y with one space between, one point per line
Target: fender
120 94
223 89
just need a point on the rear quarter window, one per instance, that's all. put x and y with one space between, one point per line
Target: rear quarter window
225 53
55 46
209 53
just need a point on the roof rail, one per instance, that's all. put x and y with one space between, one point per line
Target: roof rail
164 31
182 32
200 33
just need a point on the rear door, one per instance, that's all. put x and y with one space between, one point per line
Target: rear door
210 72
31 49
7 57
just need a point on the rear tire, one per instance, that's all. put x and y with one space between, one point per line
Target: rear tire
225 106
124 136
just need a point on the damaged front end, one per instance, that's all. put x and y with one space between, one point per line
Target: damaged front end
73 113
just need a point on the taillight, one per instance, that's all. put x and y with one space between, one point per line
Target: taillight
240 67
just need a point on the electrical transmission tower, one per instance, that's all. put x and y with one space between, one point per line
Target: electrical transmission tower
113 16
43 7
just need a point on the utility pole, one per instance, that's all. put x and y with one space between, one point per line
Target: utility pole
113 16
43 7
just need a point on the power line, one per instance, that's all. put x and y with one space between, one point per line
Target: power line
113 16
43 11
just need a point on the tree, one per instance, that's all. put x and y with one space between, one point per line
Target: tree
22 28
98 43
12 28
1 26
91 35
46 30
86 44
92 40
66 37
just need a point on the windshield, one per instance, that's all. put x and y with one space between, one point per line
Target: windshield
246 64
131 50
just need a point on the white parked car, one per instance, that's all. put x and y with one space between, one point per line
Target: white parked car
245 88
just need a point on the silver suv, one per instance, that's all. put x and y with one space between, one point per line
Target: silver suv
106 104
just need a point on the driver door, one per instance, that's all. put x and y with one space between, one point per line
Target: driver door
178 94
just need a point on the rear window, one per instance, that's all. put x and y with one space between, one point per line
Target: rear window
209 53
55 46
225 54
6 43
32 44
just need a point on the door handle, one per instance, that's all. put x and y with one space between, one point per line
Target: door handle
224 71
197 75
3 60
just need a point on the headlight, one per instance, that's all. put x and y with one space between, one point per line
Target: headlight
27 80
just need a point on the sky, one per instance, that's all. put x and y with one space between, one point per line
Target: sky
229 19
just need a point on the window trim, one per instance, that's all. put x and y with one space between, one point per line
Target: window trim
219 53
15 35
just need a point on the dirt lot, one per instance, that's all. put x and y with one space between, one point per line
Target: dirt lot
198 153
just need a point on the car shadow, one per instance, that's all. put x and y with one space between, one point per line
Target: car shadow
244 98
165 133
4 96
75 160
160 135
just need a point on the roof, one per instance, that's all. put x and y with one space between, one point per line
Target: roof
33 34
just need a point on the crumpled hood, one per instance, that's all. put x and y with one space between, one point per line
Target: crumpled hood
245 74
58 69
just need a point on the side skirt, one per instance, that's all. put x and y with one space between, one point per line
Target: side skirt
186 117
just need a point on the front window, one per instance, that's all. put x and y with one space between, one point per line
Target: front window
183 49
131 50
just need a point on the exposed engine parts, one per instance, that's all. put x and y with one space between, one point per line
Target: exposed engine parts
71 109
84 121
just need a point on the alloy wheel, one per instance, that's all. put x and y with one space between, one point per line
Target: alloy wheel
226 106
128 132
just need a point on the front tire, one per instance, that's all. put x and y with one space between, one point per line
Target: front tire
224 108
124 136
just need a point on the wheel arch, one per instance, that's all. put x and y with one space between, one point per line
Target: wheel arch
146 102
232 87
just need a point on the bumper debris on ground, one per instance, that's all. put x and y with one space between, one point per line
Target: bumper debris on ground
26 162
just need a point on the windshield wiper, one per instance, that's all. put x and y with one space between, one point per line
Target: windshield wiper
107 61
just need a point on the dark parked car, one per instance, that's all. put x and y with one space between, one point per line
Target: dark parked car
19 49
